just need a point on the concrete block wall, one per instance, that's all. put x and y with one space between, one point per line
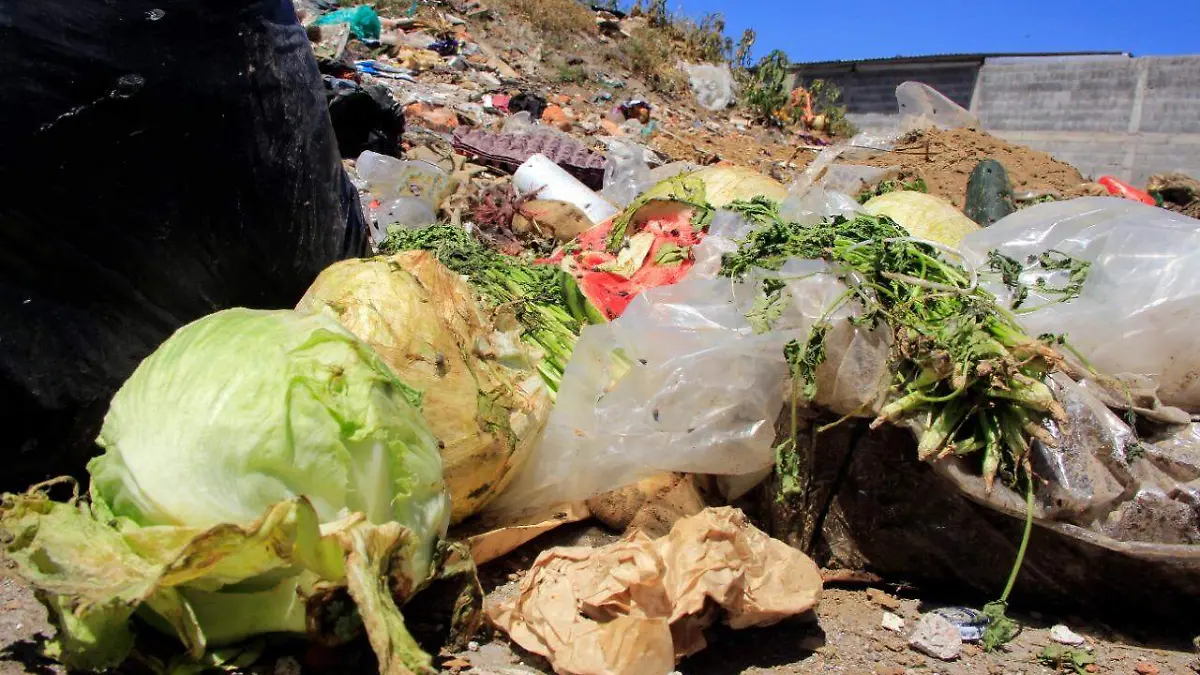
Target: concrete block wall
1094 94
1128 117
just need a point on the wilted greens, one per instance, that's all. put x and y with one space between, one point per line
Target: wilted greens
963 370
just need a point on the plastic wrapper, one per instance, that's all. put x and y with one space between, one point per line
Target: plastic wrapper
922 106
854 178
626 173
712 85
1138 311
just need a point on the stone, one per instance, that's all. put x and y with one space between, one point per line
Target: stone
556 117
432 117
1065 636
892 622
883 599
1146 668
936 637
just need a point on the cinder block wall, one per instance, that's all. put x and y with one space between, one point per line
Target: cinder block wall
1129 117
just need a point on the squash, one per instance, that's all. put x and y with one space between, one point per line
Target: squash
989 195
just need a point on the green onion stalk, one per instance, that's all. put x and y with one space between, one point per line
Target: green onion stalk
962 366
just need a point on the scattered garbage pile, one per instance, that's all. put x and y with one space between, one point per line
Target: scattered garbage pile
754 381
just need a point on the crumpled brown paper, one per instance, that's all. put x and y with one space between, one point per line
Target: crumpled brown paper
637 606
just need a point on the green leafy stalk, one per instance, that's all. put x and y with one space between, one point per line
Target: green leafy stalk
959 359
547 302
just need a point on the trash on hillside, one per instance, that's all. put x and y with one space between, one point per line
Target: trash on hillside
364 22
534 104
494 537
365 117
508 151
1175 189
635 109
640 605
852 179
330 42
711 84
541 177
626 173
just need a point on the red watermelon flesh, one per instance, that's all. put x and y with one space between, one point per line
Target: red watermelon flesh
611 293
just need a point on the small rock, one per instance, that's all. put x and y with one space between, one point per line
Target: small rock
883 599
472 646
1146 668
936 637
892 622
881 669
287 666
1065 636
1091 668
970 651
432 117
555 116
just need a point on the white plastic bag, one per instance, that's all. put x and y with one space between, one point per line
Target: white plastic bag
713 85
1139 308
922 106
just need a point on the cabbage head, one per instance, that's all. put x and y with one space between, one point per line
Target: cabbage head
256 466
482 395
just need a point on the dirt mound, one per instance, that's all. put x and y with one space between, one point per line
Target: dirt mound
945 159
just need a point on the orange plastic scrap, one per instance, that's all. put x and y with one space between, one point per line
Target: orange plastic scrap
637 606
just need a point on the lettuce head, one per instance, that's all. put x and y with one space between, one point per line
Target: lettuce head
256 466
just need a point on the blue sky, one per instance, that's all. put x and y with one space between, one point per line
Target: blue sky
854 29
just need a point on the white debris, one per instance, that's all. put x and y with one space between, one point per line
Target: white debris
1065 636
892 622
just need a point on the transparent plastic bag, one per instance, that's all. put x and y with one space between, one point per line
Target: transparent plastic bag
712 85
682 382
1139 308
922 106
626 173
807 201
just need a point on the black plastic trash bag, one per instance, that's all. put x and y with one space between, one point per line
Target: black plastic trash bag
160 161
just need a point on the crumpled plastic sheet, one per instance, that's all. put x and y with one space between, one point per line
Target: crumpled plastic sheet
1139 310
626 173
637 606
712 85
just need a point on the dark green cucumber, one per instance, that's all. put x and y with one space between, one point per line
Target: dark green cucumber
989 195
